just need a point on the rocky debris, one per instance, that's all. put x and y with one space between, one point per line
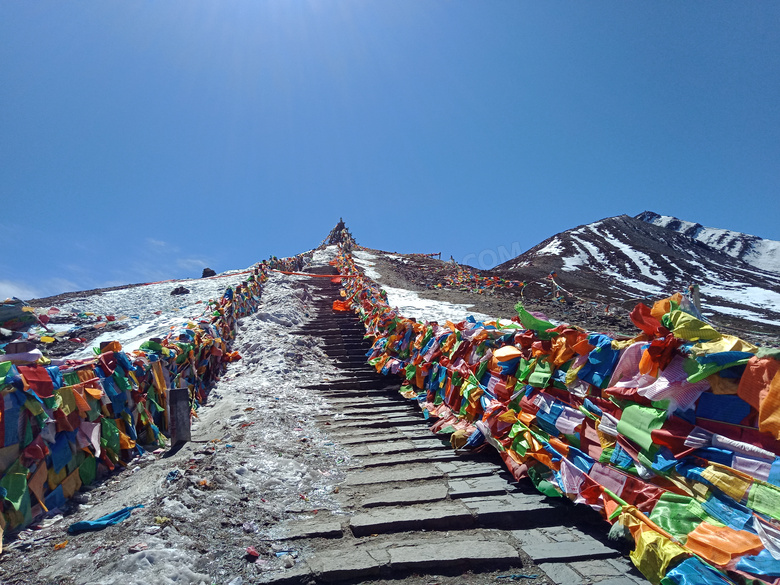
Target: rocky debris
81 335
208 272
180 290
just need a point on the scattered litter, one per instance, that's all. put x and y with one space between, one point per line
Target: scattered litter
138 547
103 521
252 553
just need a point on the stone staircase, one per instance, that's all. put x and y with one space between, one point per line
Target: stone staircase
413 506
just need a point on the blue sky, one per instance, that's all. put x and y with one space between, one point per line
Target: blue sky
142 141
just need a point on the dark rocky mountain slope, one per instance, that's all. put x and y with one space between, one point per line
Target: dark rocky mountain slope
621 260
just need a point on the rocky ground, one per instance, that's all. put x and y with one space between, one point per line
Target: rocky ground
421 274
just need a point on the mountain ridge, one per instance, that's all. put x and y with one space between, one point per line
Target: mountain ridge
624 258
757 251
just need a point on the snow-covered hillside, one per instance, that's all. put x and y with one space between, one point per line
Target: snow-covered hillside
758 252
625 259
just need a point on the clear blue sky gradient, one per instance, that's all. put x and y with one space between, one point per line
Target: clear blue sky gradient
146 140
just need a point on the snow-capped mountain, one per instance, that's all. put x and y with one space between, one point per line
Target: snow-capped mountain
758 252
625 259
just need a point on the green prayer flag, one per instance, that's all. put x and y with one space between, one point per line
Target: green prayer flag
764 499
35 407
28 434
15 484
482 369
679 515
534 323
109 435
542 484
686 326
88 470
152 345
121 382
638 421
540 377
71 379
606 455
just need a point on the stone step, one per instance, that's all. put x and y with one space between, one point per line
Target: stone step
353 392
397 473
454 553
479 486
381 437
513 510
417 456
444 515
345 436
371 416
402 496
376 423
351 385
371 410
396 445
389 558
310 529
466 468
381 448
562 543
369 403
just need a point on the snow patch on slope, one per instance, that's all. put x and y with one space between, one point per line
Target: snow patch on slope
137 306
571 263
641 261
409 303
365 261
554 248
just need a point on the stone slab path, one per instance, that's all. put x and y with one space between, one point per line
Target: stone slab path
413 506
